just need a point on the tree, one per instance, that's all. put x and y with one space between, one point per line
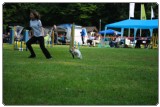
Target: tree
85 14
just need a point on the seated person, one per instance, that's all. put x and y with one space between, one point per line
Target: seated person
96 39
112 43
117 41
90 39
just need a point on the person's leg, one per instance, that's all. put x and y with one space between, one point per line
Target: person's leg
55 38
42 46
91 42
87 42
29 43
82 39
94 42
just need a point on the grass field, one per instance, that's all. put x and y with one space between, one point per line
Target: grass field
105 76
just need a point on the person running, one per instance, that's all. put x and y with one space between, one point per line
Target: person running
36 35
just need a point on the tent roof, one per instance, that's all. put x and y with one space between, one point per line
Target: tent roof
67 25
133 23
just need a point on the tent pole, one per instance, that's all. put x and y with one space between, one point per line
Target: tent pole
129 28
135 31
129 32
103 40
122 31
105 33
151 32
100 25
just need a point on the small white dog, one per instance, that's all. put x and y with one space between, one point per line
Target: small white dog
75 52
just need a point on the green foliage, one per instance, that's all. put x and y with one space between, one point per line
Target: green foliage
85 14
105 76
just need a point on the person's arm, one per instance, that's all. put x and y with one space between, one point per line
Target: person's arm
30 30
41 27
31 33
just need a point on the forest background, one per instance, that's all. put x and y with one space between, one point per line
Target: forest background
84 14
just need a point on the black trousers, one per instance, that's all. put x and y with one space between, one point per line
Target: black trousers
41 43
82 39
89 41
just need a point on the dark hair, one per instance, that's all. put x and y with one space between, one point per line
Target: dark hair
36 14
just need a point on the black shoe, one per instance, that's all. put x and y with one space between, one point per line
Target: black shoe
32 56
49 58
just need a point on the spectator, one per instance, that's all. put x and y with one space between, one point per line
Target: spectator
83 34
117 41
55 34
90 40
96 39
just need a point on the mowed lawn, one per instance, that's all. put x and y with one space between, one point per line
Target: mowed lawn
105 76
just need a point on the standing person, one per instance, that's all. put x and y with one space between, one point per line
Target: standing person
55 34
37 35
83 34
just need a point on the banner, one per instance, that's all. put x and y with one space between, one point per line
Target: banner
143 13
131 9
152 13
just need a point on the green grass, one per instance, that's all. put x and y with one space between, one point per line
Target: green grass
105 76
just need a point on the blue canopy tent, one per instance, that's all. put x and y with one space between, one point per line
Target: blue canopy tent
109 32
134 24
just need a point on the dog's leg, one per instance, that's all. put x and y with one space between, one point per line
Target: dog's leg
71 53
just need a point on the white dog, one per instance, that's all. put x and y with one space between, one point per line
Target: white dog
75 52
